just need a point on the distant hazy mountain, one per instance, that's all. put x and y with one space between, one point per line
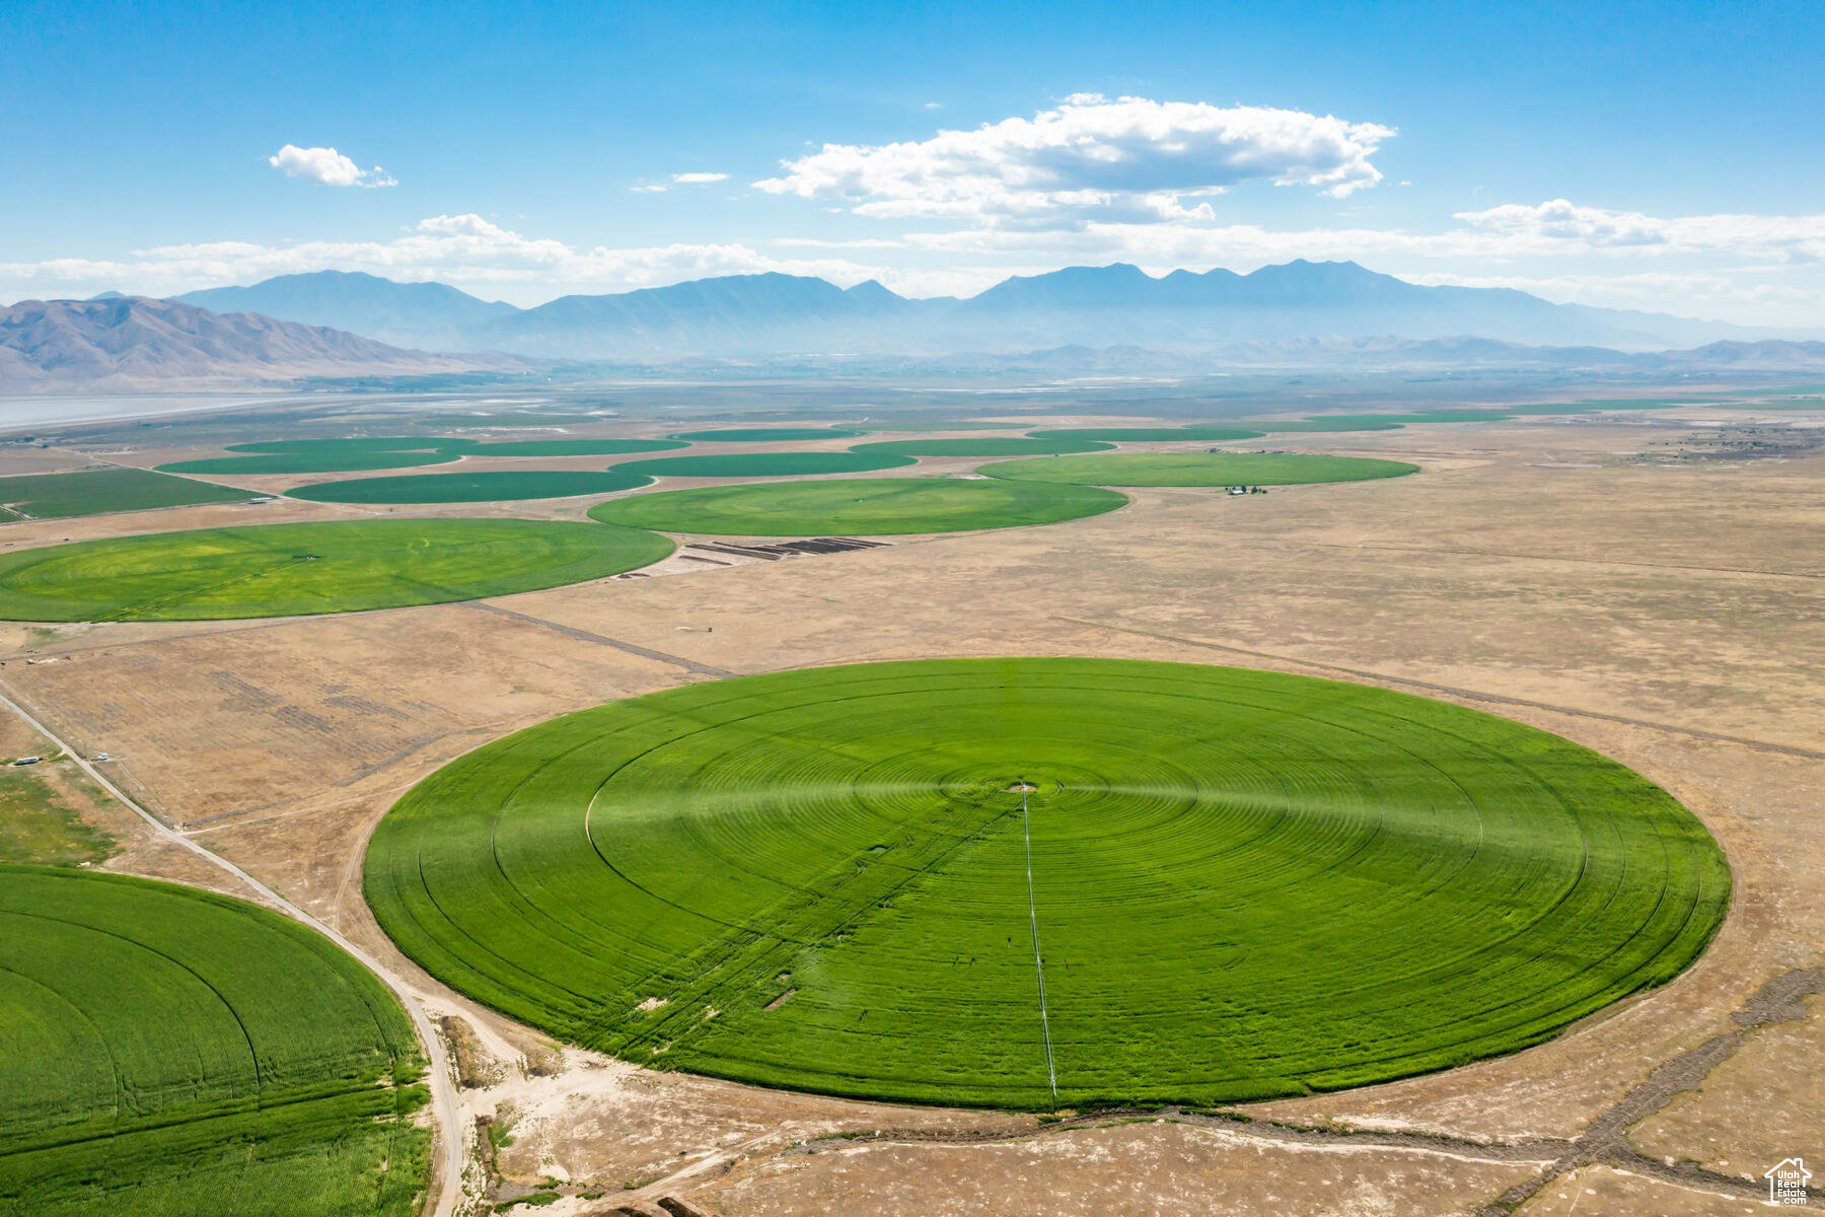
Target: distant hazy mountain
733 315
1097 307
131 341
1777 353
1380 353
429 316
1297 300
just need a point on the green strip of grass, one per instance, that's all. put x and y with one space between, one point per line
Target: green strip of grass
1353 422
1146 435
765 435
349 445
509 419
893 422
573 447
306 462
866 507
762 464
474 487
353 454
1199 469
1324 423
286 569
987 445
1596 405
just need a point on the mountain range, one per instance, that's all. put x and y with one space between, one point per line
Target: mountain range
129 342
743 316
1112 318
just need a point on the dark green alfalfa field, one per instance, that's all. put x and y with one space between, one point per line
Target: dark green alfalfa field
470 486
169 1053
762 464
1244 884
345 455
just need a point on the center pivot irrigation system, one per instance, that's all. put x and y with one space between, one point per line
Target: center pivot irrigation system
1039 963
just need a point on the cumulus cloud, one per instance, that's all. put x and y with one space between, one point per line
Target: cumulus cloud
1561 223
1508 233
1129 157
698 179
327 166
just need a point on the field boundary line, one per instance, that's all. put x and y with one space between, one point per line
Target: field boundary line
443 1090
690 665
1471 694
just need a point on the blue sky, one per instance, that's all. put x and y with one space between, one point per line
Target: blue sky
1635 155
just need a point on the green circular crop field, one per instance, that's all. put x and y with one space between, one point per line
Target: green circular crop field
866 507
1148 435
281 570
165 1051
1242 884
986 445
762 464
352 455
766 435
573 447
496 486
354 444
1199 469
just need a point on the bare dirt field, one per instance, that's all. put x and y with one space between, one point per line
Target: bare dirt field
1669 613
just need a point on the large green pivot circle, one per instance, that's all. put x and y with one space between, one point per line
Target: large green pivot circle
1244 883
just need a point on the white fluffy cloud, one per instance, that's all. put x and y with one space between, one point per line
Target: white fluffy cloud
1553 230
1565 224
698 179
1128 157
328 166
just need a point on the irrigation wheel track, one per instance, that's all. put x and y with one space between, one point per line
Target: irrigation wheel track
443 1090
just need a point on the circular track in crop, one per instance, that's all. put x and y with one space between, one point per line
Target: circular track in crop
1242 883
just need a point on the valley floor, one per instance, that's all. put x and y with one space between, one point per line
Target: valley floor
1665 613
